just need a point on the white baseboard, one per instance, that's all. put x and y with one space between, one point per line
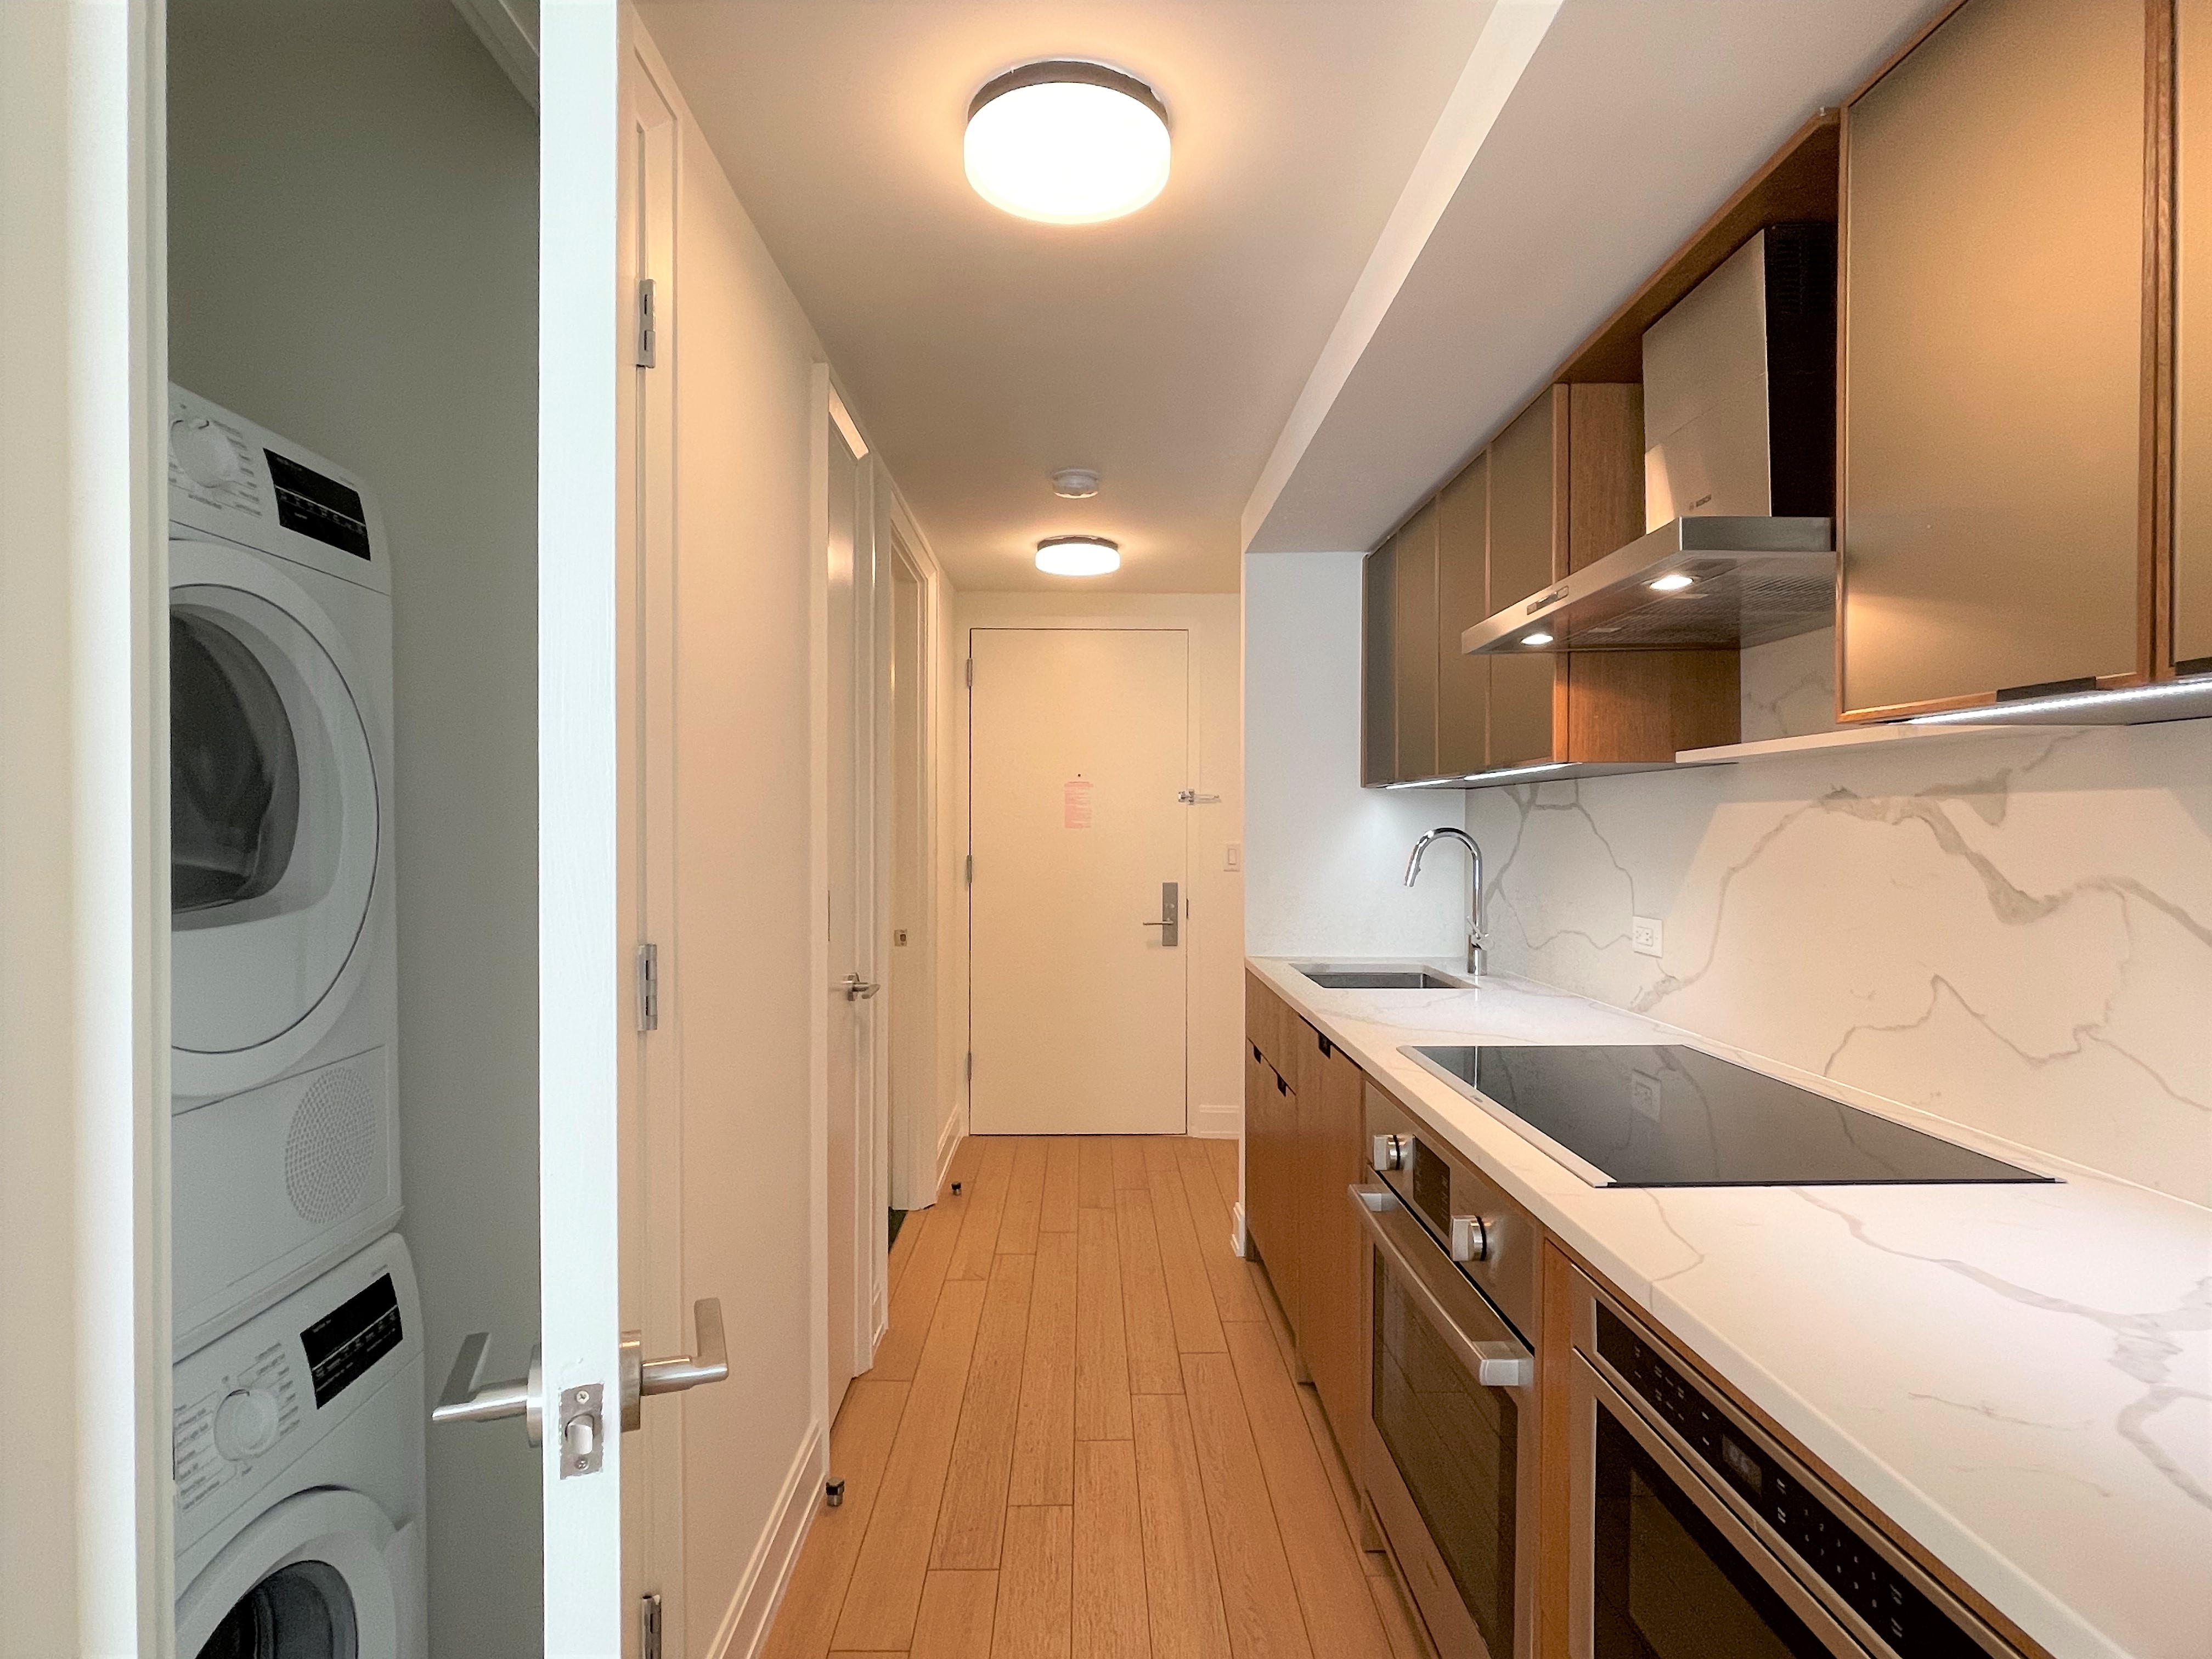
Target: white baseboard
1217 1122
743 1630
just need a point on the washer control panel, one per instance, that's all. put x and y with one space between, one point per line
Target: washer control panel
250 1403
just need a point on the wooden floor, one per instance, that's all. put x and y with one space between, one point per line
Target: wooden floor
1082 1435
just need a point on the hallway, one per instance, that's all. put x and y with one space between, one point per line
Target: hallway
1081 1436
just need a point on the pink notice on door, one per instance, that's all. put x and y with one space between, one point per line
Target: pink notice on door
1075 804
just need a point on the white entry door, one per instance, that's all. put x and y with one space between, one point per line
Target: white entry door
1080 747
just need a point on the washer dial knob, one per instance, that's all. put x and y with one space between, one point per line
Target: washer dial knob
246 1424
210 456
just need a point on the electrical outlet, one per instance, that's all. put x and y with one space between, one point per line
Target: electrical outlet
1644 935
899 936
1232 856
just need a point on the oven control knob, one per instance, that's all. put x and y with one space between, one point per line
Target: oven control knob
208 454
1470 1238
1389 1152
246 1424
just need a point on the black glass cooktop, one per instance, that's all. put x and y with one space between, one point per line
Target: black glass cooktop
1671 1116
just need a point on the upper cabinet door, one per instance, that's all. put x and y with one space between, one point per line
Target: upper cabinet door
1414 575
1378 672
1994 471
2192 597
1528 554
1462 600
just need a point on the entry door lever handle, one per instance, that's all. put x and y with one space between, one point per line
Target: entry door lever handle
467 1399
642 1376
1171 921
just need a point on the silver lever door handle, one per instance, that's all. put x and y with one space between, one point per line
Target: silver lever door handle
1171 921
859 990
467 1401
642 1376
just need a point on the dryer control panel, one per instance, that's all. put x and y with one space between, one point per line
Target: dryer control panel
243 483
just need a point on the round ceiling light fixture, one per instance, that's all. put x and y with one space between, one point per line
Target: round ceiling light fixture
1067 142
1078 484
1077 556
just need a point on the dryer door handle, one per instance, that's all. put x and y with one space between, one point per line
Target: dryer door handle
468 1400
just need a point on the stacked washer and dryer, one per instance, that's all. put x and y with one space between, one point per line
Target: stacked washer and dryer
299 1418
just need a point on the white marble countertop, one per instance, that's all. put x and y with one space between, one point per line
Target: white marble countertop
2019 1376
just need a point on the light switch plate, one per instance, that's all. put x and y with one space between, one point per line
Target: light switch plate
1644 935
1232 856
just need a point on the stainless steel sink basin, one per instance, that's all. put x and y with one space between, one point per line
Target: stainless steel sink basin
1330 977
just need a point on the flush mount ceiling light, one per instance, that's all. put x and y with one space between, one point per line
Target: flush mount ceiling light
1077 556
1066 141
1674 582
1076 483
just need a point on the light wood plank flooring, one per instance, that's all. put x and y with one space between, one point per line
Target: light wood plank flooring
1083 1438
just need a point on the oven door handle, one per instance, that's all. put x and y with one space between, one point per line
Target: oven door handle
1501 1363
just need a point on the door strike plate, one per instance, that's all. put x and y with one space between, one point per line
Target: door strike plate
583 1431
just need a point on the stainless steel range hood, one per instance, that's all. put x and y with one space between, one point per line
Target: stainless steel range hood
1750 581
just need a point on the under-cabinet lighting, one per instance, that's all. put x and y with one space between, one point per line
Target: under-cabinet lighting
1673 582
1538 637
1516 772
2199 688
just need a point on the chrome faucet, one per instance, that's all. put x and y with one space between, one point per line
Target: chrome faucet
1475 935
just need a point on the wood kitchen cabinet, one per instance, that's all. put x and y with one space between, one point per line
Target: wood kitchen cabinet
1999 301
2188 632
1271 1141
1332 1277
1378 668
1463 511
1413 581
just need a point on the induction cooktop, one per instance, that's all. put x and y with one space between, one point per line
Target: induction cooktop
1669 1115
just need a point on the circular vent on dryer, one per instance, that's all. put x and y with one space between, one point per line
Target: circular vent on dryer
330 1150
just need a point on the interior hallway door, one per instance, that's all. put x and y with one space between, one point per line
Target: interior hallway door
1080 744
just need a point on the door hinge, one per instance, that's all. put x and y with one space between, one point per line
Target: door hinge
971 673
648 1625
648 330
648 988
971 869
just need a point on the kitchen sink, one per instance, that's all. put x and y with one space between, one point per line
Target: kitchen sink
1349 977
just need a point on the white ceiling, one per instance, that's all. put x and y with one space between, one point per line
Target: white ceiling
982 352
1632 122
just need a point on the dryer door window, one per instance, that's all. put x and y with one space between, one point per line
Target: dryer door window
234 769
303 1611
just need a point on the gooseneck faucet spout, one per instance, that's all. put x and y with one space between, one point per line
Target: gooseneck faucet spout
1475 934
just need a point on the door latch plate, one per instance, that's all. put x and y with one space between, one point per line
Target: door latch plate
583 1429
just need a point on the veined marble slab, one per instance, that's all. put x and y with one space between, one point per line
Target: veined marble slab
2019 1376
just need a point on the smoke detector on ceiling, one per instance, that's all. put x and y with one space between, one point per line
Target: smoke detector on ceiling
1076 483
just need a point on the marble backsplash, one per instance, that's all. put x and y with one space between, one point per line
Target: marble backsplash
2012 930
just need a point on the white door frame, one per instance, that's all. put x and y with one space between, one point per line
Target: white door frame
84 804
1198 765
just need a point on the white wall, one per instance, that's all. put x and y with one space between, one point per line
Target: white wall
1325 859
353 240
1216 1076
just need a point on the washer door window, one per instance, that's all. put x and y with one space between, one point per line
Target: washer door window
303 1611
275 815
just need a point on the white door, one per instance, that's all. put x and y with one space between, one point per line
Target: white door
1080 745
858 1220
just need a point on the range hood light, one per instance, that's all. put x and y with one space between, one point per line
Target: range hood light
1671 583
1538 637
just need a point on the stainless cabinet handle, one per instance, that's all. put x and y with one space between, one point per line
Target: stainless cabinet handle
859 990
467 1400
642 1376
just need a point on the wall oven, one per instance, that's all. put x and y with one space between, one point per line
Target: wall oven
1696 1533
1449 1452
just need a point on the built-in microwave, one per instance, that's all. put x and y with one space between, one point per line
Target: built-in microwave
1695 1532
1449 1450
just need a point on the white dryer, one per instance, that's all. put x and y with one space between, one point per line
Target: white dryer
298 1446
282 1062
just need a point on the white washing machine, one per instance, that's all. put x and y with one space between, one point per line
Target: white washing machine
285 1144
298 1445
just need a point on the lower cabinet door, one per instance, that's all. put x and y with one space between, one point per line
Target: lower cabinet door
1270 1201
1332 1122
